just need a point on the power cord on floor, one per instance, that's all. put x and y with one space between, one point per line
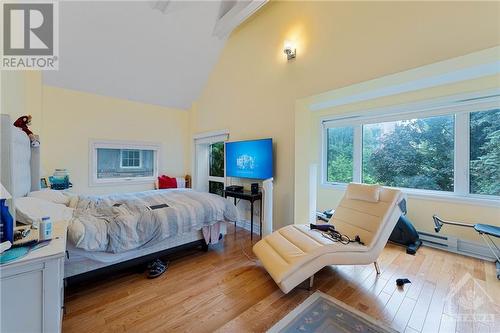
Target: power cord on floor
253 259
242 248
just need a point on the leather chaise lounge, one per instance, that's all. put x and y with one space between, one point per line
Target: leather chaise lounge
295 253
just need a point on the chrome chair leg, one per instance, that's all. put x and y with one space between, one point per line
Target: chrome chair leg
377 268
311 282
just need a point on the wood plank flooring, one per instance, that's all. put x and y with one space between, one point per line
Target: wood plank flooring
227 290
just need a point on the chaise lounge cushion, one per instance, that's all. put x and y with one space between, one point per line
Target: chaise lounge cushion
287 249
296 252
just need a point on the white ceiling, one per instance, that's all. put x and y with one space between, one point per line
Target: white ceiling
134 51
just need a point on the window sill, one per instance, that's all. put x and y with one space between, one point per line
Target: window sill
433 196
122 181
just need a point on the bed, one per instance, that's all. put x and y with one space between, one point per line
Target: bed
20 174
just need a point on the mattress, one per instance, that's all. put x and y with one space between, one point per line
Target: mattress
80 261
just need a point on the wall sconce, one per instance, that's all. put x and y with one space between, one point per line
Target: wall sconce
290 50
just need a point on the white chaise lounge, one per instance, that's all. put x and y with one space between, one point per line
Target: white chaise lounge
295 253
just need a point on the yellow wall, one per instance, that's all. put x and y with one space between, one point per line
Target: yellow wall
71 119
67 120
252 90
21 93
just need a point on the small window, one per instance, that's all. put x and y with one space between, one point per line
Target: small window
131 158
416 153
485 152
339 159
123 162
216 188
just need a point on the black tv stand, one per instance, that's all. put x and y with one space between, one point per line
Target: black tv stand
249 196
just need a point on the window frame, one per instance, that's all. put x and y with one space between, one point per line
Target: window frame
461 110
217 179
122 145
130 167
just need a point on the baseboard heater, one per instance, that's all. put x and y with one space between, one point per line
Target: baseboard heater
443 242
455 245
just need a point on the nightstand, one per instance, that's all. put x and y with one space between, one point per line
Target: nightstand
32 288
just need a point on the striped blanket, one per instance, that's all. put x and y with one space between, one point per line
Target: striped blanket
121 222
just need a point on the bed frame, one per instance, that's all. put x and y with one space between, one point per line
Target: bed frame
135 262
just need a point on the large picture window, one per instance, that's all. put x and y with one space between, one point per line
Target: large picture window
415 153
444 150
116 162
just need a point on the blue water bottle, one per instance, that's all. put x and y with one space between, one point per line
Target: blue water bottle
7 222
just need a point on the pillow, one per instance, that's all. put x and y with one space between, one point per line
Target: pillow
363 192
51 195
30 210
166 182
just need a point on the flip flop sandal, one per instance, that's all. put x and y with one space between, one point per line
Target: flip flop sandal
156 269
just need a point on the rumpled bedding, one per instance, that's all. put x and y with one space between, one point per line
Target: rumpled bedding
121 222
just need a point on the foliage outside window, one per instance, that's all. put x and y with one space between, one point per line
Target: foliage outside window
339 154
216 160
216 168
420 153
485 152
415 153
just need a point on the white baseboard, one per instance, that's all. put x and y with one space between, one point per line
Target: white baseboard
245 224
438 241
456 245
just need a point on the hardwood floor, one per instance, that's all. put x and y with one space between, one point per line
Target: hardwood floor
227 290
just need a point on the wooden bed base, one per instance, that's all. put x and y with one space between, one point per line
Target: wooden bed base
100 272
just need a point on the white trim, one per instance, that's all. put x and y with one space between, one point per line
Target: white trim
456 245
241 11
204 135
357 154
95 144
245 224
468 102
471 199
207 138
461 151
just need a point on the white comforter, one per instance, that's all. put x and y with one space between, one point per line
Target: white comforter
122 222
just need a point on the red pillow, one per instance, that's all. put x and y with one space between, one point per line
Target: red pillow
166 182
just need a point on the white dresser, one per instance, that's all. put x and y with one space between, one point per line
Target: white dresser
32 288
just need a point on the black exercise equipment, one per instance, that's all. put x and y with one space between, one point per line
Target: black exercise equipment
404 232
484 230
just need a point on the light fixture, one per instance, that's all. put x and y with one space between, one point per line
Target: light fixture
290 50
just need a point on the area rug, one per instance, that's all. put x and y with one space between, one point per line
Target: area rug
323 313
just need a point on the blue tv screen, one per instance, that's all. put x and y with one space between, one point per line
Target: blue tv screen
250 159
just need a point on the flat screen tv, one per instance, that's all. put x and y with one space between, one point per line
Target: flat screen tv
250 159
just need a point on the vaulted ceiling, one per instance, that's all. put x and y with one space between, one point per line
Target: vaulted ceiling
156 52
